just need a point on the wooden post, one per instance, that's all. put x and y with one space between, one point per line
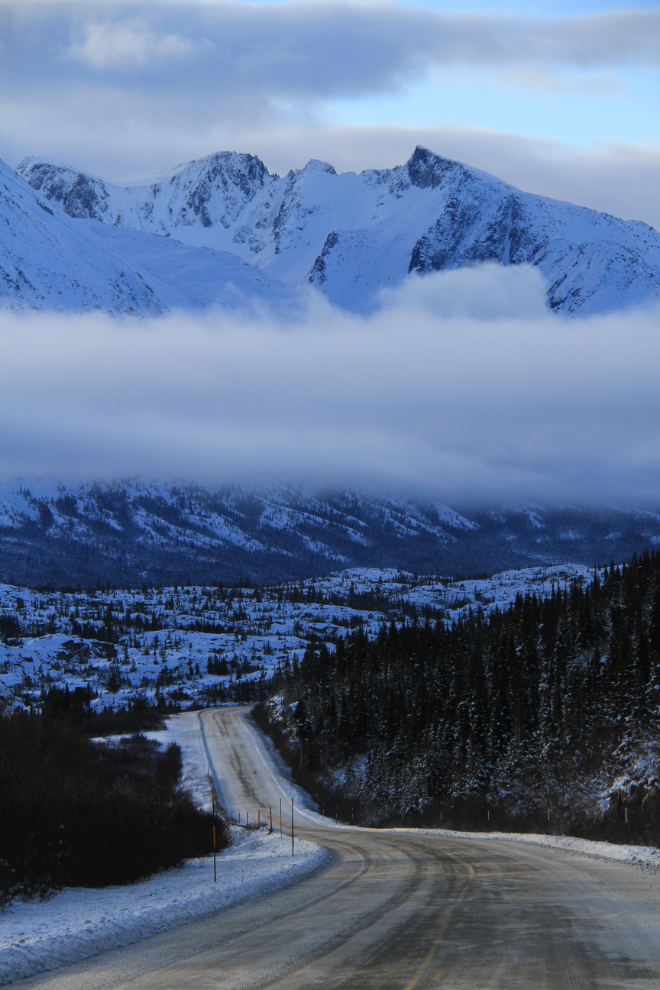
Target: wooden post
281 832
292 826
215 876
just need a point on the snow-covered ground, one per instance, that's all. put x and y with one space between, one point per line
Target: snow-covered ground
78 923
633 855
188 644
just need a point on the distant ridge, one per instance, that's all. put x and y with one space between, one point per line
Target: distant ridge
49 262
350 235
167 532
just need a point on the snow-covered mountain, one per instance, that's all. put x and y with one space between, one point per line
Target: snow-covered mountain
201 277
351 235
122 532
48 261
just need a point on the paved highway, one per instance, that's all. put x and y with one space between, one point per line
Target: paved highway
398 911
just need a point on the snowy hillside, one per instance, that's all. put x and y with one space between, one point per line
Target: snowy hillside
202 277
352 235
48 261
53 534
145 644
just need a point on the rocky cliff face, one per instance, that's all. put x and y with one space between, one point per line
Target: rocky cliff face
351 235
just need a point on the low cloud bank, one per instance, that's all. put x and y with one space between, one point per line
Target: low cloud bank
462 385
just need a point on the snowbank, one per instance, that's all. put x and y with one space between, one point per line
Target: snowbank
637 855
79 923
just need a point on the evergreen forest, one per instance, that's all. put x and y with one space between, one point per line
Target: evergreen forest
523 716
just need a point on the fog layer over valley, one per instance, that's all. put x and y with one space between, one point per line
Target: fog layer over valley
461 385
239 445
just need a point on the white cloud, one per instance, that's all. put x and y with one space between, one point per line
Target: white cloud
460 386
129 43
128 88
566 84
304 51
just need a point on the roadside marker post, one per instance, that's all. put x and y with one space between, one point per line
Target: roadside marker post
270 815
281 832
215 875
292 826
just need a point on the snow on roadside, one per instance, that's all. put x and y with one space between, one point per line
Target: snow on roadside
632 855
185 729
181 730
80 922
305 804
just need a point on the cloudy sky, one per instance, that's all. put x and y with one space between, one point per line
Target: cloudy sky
463 383
559 98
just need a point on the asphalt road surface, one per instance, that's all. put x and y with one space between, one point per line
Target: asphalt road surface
397 911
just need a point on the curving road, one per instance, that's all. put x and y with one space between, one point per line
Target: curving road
398 911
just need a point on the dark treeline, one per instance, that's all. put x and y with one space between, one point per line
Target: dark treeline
372 600
78 813
528 697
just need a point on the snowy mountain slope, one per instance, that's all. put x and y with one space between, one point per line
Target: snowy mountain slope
203 277
56 534
351 235
47 261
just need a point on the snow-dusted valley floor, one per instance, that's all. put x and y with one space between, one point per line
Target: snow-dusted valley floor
197 645
194 644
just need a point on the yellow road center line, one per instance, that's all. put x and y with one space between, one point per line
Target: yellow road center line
428 959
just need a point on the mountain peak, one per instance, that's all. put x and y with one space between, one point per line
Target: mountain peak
426 169
49 262
316 165
353 234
